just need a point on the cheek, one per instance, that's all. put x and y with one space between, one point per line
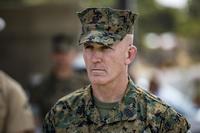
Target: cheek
118 59
115 62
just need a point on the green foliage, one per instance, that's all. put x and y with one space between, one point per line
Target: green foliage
162 21
97 3
146 7
194 8
189 28
154 18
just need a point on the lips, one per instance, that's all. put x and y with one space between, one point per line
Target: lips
97 71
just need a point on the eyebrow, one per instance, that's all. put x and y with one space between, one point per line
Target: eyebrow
102 45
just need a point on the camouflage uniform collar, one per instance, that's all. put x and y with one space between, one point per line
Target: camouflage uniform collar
125 112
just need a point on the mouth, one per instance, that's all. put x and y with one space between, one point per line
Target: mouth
97 71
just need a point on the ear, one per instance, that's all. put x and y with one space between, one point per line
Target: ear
131 54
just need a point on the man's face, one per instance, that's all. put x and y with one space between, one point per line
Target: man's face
63 59
104 64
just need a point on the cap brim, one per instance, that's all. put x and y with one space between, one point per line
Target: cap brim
101 37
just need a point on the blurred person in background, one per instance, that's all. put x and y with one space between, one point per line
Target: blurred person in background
15 111
112 103
62 78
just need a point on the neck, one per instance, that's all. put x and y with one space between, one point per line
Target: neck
63 73
111 92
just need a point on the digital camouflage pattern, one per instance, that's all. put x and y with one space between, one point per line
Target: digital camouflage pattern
105 25
138 112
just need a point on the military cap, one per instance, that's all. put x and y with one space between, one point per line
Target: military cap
105 25
61 43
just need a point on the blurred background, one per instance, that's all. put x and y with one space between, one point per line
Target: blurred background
167 35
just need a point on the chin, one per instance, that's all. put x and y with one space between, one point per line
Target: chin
98 80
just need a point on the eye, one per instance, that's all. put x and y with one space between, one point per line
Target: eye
88 47
106 48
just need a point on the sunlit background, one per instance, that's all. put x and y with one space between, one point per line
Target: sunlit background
167 35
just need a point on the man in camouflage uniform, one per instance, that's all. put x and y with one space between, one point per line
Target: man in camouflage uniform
112 103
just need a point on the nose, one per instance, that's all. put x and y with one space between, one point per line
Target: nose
96 56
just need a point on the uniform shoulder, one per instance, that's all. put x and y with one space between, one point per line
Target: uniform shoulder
71 101
157 111
152 101
74 97
5 79
174 122
10 86
66 107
